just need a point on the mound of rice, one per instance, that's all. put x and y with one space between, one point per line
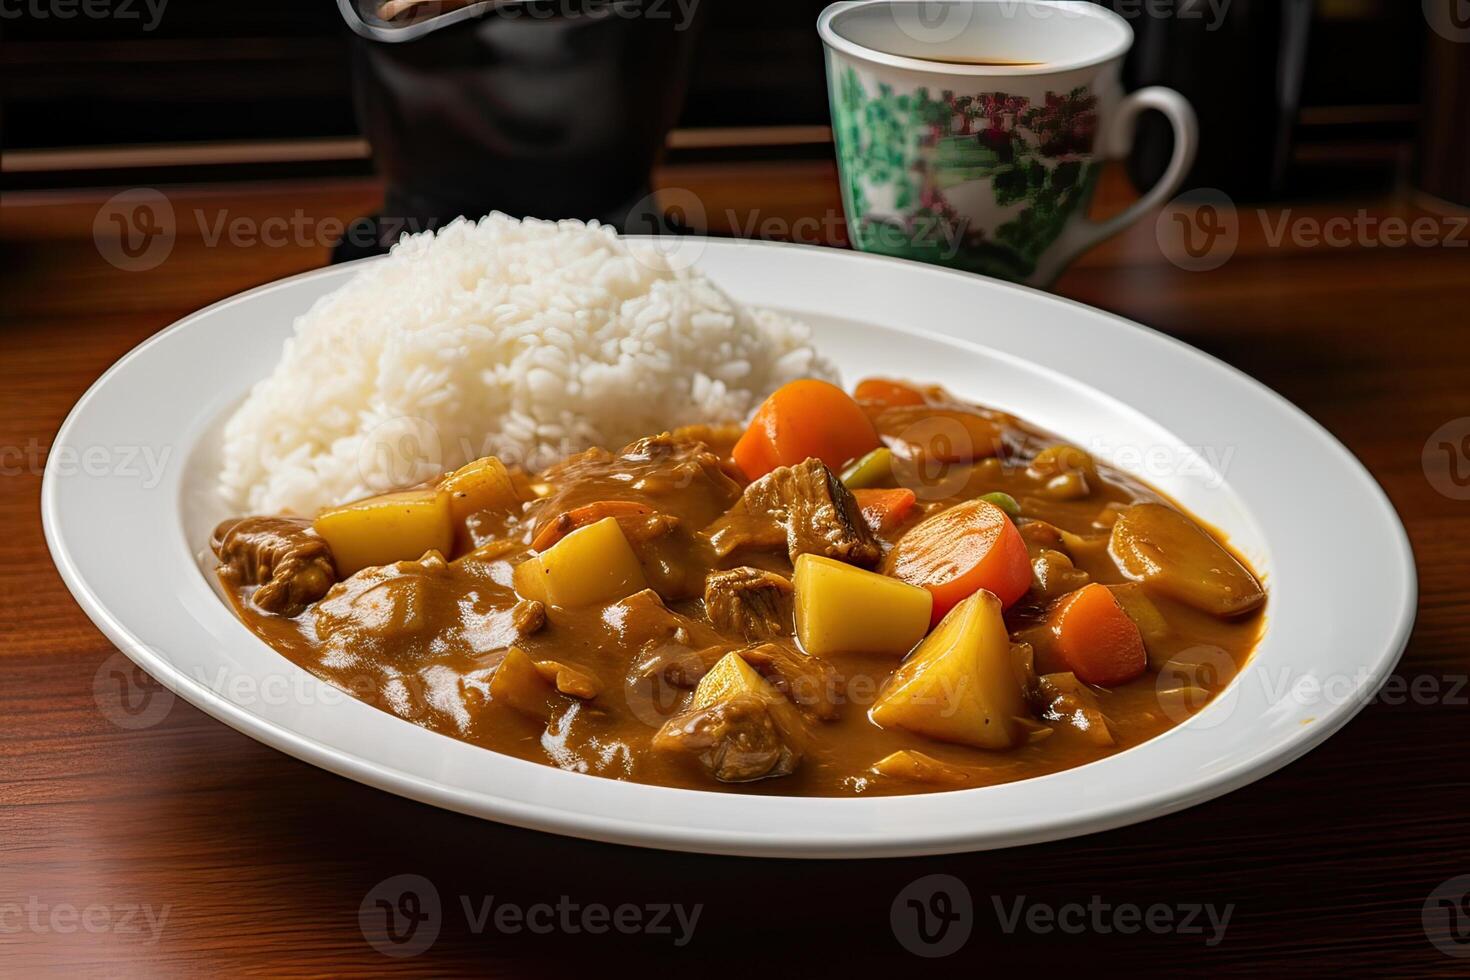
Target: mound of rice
523 339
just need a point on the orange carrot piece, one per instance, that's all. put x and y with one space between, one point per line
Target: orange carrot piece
940 435
801 420
885 510
582 516
886 392
961 550
1098 640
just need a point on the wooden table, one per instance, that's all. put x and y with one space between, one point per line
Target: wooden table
256 862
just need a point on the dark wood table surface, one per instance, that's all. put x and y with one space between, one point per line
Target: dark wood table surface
182 847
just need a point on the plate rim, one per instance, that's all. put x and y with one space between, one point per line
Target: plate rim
554 818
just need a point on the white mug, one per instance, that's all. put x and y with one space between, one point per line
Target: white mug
970 133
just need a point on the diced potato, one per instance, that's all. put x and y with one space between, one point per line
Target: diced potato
386 529
518 684
731 677
483 485
960 685
592 565
844 609
1166 551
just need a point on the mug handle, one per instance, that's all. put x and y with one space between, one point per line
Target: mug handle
1084 233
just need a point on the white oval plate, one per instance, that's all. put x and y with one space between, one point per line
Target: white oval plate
128 541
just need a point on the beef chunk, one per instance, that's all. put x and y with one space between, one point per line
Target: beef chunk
291 565
808 506
677 477
737 740
811 682
749 602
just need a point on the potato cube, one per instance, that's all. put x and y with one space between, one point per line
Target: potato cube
518 684
592 565
960 684
844 609
390 528
730 676
484 485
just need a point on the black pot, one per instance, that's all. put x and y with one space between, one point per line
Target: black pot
549 109
1241 65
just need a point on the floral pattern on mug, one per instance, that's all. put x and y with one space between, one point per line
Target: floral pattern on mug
916 168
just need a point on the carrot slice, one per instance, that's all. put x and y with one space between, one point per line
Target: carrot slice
1098 640
582 516
802 420
961 550
886 392
885 510
940 435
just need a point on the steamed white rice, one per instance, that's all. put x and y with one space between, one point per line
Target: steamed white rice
523 339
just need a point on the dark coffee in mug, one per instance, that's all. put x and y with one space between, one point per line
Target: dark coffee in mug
982 60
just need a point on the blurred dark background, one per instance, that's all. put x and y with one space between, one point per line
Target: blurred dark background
211 91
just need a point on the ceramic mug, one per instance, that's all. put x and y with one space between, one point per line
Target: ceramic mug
970 133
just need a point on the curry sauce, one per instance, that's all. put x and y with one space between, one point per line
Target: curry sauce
627 673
